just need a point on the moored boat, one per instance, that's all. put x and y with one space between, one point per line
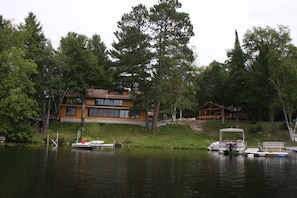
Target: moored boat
227 146
87 145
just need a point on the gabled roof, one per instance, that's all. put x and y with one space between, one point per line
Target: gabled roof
96 93
210 103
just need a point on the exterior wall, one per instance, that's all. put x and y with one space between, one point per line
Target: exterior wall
90 104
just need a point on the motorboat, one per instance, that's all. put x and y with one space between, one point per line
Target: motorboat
88 145
227 146
214 146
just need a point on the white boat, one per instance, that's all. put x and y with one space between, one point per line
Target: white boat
236 146
88 145
92 145
214 146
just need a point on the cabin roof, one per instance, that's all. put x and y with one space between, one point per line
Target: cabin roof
210 103
97 93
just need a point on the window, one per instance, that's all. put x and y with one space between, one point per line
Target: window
73 101
71 111
93 112
103 112
99 102
118 103
113 113
108 102
118 92
76 101
124 114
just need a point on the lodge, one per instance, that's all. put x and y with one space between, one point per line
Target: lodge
214 111
102 106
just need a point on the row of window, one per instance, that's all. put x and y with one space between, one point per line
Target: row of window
99 102
112 113
108 102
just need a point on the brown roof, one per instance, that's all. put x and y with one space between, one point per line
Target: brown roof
97 93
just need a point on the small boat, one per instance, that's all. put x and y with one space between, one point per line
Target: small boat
88 145
92 145
214 146
225 146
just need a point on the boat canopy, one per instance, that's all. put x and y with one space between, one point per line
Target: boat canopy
231 130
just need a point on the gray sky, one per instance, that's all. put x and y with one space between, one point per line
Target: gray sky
214 21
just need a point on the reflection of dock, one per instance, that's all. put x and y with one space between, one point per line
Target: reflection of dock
97 151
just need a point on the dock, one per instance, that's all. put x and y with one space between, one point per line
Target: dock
255 152
291 149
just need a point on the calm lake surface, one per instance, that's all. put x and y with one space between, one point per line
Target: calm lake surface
36 172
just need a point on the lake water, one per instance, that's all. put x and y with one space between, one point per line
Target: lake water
36 172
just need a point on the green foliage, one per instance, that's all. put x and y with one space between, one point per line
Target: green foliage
16 90
169 136
210 83
256 129
80 63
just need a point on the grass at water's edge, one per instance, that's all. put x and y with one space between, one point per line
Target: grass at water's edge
169 136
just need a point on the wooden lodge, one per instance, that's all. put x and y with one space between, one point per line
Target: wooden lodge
102 106
214 111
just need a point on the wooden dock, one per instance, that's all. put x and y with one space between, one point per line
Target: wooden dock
254 152
291 149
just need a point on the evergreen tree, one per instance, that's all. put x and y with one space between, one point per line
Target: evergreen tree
105 72
80 66
171 32
39 49
132 55
236 86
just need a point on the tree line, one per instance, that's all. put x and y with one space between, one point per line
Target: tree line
151 57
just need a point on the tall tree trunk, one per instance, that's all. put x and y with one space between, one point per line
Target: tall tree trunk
146 119
83 107
156 116
43 113
223 115
49 104
180 113
173 114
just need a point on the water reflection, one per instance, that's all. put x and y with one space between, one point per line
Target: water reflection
143 173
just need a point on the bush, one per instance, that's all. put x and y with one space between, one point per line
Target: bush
256 129
282 126
19 137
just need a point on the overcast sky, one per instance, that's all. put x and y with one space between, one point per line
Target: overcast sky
214 21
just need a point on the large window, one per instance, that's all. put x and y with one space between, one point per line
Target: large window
93 113
108 102
124 113
111 113
103 112
71 111
114 113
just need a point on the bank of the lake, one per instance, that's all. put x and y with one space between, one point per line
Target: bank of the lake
181 136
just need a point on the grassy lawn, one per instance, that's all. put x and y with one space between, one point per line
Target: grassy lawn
170 136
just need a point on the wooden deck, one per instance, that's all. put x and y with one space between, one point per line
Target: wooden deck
291 149
255 152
